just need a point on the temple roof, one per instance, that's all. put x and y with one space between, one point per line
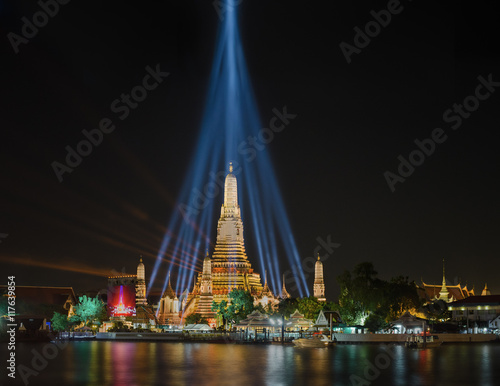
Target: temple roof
169 291
456 292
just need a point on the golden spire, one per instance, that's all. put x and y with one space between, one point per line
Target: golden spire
284 292
444 293
230 167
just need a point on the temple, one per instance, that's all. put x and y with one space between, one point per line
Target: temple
319 283
228 268
140 287
445 292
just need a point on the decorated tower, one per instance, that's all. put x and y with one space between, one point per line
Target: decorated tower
230 266
284 293
319 283
444 293
140 287
206 297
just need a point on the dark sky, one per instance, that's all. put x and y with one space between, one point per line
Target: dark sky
353 121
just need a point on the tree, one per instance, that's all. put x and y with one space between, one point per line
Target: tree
60 322
375 322
221 310
400 297
239 306
287 306
88 309
310 307
359 293
437 311
362 294
195 319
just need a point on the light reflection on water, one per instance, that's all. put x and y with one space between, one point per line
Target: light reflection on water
145 363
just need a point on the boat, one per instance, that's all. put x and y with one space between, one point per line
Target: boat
317 340
422 341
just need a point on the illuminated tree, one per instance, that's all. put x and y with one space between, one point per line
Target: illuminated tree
88 310
239 306
221 310
310 307
362 295
60 322
400 296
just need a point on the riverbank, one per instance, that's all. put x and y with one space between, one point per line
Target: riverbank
238 338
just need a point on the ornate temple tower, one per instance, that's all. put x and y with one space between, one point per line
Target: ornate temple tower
140 287
168 308
486 291
229 263
444 293
284 293
206 297
319 283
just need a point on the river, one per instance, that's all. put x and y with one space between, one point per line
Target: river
163 363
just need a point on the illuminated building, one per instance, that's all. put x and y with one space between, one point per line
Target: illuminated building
446 292
477 314
319 283
140 288
266 297
284 293
229 267
168 308
127 298
206 296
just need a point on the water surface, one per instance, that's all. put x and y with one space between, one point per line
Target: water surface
164 363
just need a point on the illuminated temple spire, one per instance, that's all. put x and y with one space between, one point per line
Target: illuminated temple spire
266 291
140 288
284 292
319 283
444 293
229 263
206 298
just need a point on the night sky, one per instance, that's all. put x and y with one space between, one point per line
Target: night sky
353 121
